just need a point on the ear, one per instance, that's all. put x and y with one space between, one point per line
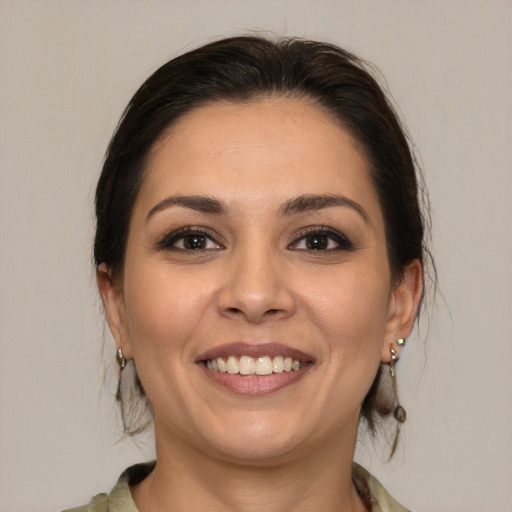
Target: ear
112 297
404 303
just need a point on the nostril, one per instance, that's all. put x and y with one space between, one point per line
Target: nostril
269 313
270 302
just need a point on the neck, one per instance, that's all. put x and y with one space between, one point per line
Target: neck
186 478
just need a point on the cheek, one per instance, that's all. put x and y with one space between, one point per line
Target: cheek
350 312
351 305
163 310
164 314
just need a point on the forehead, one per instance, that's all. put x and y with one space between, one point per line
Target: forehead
261 151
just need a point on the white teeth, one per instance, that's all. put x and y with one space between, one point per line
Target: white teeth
263 366
245 365
221 364
278 364
232 365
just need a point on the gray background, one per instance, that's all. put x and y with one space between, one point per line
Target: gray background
67 70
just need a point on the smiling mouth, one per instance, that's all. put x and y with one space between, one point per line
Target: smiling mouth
255 375
246 365
254 368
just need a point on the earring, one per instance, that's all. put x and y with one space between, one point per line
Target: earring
398 412
400 342
121 361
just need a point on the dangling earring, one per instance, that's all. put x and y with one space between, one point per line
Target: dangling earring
398 412
121 361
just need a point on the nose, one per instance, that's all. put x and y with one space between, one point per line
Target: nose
256 288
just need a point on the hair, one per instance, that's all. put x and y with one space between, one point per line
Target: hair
247 68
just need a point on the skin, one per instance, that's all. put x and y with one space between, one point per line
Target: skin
256 281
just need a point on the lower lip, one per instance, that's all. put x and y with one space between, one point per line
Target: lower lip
255 384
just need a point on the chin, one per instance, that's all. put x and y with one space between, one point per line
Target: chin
261 452
259 442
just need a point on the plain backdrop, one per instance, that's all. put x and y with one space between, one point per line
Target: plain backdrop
68 68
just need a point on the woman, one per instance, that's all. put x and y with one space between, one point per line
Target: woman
260 253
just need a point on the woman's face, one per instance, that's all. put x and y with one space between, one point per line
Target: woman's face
257 243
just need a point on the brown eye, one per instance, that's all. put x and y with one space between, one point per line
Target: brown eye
194 242
322 240
317 242
189 239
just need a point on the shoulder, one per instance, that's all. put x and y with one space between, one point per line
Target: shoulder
100 503
119 499
373 492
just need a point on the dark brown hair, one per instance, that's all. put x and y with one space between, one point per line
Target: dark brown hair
246 68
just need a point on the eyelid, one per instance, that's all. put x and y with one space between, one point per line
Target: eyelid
168 240
343 241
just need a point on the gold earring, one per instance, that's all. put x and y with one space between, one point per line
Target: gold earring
121 361
400 342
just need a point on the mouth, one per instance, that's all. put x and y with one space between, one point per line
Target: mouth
254 369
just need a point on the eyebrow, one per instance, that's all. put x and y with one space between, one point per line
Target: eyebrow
308 203
201 204
295 206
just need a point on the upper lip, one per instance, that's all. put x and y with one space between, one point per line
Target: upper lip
241 348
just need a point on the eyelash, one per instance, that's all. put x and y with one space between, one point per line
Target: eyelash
168 241
343 243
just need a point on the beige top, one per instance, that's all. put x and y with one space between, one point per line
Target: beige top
120 498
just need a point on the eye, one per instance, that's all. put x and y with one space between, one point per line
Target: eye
195 242
322 240
189 239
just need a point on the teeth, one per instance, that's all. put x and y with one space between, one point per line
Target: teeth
263 366
278 364
232 365
221 364
245 365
